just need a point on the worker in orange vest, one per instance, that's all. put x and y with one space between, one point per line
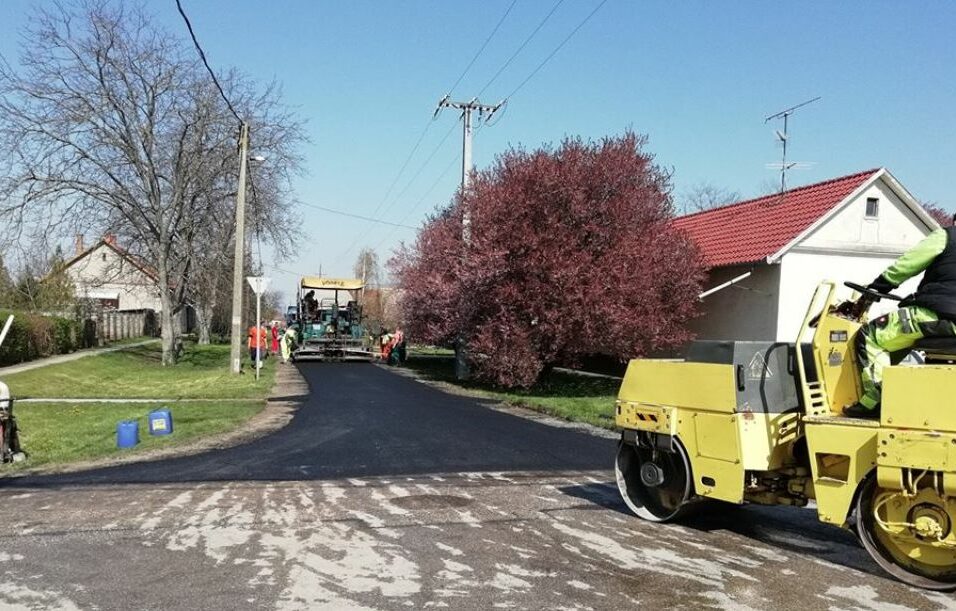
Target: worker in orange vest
257 343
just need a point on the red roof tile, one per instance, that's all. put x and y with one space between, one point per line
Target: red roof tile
753 230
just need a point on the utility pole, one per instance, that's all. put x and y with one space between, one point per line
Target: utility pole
485 111
235 352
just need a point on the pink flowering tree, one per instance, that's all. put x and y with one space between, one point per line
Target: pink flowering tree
571 253
941 216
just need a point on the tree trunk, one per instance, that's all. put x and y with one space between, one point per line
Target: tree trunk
169 328
204 321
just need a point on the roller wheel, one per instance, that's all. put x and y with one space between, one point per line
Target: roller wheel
904 552
656 485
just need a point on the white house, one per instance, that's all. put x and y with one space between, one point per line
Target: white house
844 229
107 274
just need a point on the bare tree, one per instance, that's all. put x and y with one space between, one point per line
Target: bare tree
706 196
368 267
111 123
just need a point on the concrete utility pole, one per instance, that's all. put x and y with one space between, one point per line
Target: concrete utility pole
484 112
235 352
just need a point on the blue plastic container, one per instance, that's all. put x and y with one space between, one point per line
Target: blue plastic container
160 422
127 433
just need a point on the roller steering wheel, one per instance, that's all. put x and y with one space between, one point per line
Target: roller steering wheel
870 292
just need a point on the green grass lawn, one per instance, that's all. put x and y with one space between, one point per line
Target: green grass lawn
138 373
56 433
565 395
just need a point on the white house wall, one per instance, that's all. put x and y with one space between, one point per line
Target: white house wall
746 310
802 272
105 270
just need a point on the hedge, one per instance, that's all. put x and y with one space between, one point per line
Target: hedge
34 336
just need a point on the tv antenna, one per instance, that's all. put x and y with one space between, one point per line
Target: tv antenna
783 136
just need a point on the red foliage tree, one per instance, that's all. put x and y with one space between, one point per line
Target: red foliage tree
571 253
944 218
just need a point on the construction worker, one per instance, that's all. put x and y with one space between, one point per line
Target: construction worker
257 343
311 305
386 343
929 312
288 343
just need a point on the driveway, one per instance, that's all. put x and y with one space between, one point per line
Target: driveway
385 493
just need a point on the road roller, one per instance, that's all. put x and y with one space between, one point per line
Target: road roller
762 422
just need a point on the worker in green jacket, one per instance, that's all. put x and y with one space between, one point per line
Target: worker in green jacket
288 343
929 312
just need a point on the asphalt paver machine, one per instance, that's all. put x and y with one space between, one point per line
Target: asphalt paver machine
761 422
331 328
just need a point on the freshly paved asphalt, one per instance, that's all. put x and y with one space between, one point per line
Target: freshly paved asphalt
385 493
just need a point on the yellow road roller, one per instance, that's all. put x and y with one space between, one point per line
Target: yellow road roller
761 422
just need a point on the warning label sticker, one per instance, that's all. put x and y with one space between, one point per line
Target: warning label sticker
758 368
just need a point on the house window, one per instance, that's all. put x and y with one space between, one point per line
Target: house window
103 255
872 207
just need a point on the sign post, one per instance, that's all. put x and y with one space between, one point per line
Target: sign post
259 285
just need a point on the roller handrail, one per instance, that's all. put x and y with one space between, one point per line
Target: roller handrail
830 286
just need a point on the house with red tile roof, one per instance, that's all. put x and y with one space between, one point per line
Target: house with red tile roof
113 278
765 256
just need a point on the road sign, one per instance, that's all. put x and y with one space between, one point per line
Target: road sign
259 284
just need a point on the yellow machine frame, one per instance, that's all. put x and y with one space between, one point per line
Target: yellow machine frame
813 452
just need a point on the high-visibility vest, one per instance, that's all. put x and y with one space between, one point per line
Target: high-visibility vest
253 332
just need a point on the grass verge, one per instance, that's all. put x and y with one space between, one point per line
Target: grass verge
57 433
137 372
565 395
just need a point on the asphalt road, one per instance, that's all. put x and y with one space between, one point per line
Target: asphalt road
385 493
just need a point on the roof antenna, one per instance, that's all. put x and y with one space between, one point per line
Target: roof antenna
783 166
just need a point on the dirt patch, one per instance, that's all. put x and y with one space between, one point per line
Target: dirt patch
288 392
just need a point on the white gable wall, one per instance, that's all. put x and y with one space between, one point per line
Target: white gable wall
847 247
104 269
894 230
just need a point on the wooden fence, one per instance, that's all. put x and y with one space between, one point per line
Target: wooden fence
112 326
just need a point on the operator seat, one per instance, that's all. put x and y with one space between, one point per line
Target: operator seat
937 348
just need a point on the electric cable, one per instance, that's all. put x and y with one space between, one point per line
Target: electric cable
521 47
355 216
487 40
420 201
421 136
556 49
403 191
202 56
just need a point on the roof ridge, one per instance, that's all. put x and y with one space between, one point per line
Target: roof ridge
788 191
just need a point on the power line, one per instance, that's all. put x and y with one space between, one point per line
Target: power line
556 49
420 201
356 216
485 44
402 192
202 56
402 169
424 131
522 46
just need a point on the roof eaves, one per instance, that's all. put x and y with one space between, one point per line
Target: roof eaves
911 202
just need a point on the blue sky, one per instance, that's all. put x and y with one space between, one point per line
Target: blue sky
697 77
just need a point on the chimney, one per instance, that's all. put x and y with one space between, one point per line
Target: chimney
110 239
79 244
